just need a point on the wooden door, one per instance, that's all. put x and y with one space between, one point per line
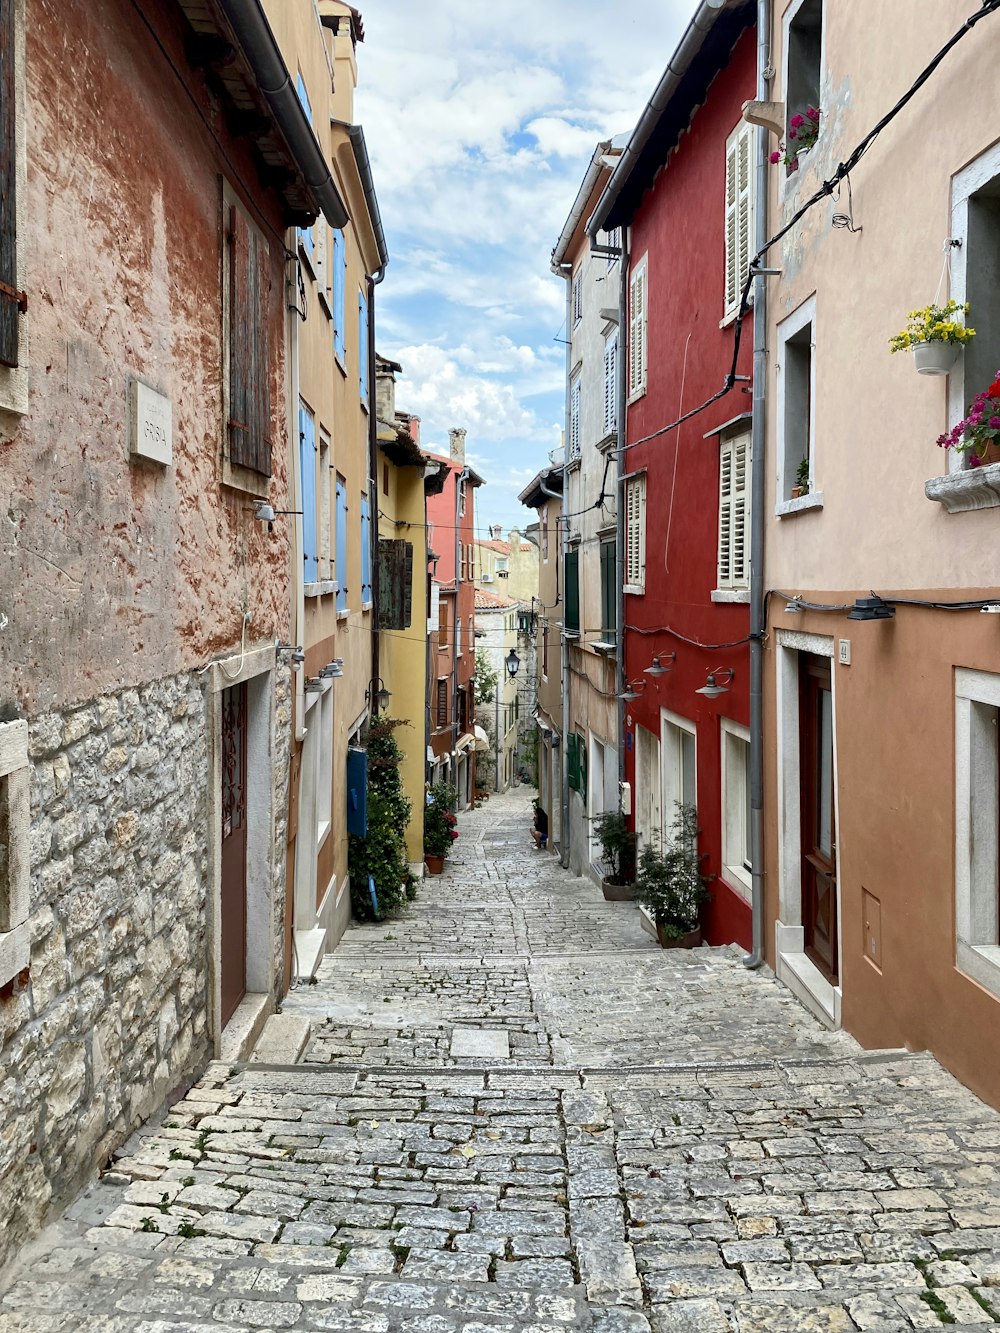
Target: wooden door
234 849
819 831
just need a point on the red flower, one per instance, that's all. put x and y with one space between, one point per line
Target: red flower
453 835
994 389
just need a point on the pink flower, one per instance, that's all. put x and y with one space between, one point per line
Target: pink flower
792 134
813 113
775 158
797 121
995 422
975 460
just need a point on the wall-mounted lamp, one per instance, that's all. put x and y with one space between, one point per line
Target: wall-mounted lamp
264 512
711 688
296 655
313 685
377 695
657 668
633 689
871 608
333 669
513 663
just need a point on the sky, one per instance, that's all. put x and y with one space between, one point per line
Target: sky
480 121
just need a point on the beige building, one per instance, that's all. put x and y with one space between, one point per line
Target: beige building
507 567
331 278
497 626
881 786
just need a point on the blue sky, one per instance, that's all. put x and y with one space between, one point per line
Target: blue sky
480 122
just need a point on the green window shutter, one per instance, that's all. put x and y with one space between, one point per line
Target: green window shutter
573 760
581 746
609 601
573 591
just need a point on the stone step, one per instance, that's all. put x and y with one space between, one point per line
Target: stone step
284 1038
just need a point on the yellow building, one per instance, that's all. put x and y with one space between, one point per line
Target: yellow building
509 568
401 644
330 278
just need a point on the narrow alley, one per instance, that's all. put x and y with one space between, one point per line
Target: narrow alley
515 1112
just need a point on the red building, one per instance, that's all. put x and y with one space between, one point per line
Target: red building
451 528
683 196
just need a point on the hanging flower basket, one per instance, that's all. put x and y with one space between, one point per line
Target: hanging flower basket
935 358
936 335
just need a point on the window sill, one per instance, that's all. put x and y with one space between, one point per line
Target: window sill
739 880
306 256
981 962
785 508
325 305
607 442
14 379
322 833
730 594
367 606
322 589
574 463
344 613
634 397
15 952
972 488
635 589
340 364
245 479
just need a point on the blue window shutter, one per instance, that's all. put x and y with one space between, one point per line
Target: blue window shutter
339 260
363 345
341 546
357 792
366 552
307 470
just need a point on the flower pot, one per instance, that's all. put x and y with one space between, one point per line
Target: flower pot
935 358
689 941
434 864
617 893
798 492
987 454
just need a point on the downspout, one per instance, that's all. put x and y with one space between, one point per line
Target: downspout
621 469
298 538
460 481
566 271
373 474
758 625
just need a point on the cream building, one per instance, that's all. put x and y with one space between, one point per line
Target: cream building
508 566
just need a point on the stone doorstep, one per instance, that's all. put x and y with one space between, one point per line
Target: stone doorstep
240 1034
283 1040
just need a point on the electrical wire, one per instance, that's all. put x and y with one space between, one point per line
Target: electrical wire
971 604
694 643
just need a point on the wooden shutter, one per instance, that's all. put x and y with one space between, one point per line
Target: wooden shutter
610 384
442 701
574 419
341 544
307 469
573 590
609 605
734 476
581 748
395 583
357 793
635 532
249 360
637 331
363 345
739 214
338 279
366 552
725 514
573 760
9 308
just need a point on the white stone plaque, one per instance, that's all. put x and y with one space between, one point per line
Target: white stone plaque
150 423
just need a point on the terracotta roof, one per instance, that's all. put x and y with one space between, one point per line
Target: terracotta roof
503 548
493 601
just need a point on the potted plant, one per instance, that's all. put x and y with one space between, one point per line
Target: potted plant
978 434
801 486
670 883
936 335
803 131
439 827
617 854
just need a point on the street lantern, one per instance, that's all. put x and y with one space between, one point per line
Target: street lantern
512 662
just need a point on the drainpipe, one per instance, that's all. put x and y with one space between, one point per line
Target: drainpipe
566 272
621 469
298 540
461 480
757 513
373 473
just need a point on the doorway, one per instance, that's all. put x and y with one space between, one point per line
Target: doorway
234 849
817 815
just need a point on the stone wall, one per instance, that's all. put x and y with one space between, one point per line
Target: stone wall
113 1012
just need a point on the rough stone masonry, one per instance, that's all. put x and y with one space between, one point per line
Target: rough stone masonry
518 1115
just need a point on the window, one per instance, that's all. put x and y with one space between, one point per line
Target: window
324 783
338 277
796 410
472 636
503 571
307 474
248 301
307 242
637 323
803 58
458 634
443 620
734 508
574 418
678 753
13 302
544 533
442 700
977 826
576 763
635 533
14 846
739 213
366 552
321 265
461 499
736 823
461 561
363 346
572 612
341 536
611 383
325 556
609 593
545 650
577 297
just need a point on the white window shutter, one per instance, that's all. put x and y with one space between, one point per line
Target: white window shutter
610 383
740 496
574 420
637 331
732 229
726 514
635 532
739 214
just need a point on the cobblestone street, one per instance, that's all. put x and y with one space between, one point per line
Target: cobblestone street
516 1112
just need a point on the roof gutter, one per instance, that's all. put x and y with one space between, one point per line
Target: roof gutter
257 40
708 13
357 137
580 203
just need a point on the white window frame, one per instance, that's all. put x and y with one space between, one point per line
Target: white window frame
611 383
14 379
635 533
324 783
798 320
15 893
740 203
732 574
575 413
544 521
577 296
977 927
324 532
736 841
788 179
672 727
638 328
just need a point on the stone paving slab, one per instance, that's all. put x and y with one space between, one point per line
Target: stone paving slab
672 1145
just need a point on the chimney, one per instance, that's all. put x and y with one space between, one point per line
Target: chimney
415 428
456 444
385 391
514 538
496 532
